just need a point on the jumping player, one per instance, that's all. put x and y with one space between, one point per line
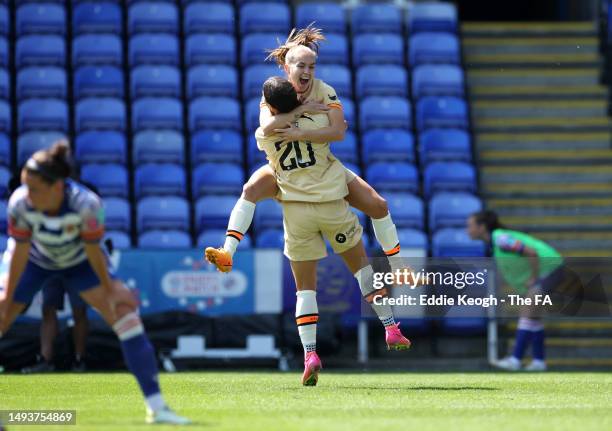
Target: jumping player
57 224
312 191
297 56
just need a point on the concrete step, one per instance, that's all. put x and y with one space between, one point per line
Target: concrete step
527 157
587 252
539 92
579 109
550 204
575 235
513 60
529 29
538 189
580 363
573 328
576 348
556 222
529 124
518 45
547 76
544 141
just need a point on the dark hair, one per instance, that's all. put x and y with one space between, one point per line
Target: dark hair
51 164
489 219
309 37
280 94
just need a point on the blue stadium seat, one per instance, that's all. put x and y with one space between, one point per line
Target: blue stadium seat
433 16
214 113
217 179
110 179
155 81
100 113
353 167
5 85
98 17
158 146
98 81
157 179
42 18
30 142
207 17
339 77
455 243
349 113
153 17
445 112
41 82
40 51
251 115
98 49
210 49
382 48
5 150
4 53
270 238
212 212
5 177
5 21
449 176
437 80
216 146
5 117
408 210
328 16
452 210
393 177
334 50
384 112
268 215
413 238
216 237
385 80
254 77
346 150
101 147
254 47
440 48
376 18
167 212
264 18
157 113
117 214
43 114
215 80
256 158
3 217
154 49
120 240
387 145
444 145
164 239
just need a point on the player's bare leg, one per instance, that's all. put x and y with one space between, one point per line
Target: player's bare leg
79 336
307 316
48 333
357 262
261 185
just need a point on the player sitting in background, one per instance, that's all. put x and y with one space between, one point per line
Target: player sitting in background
57 225
312 189
531 267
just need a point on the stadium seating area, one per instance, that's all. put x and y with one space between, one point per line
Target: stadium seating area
170 158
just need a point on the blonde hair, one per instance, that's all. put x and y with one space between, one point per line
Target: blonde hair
310 37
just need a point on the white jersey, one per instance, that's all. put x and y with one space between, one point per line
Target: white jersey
58 239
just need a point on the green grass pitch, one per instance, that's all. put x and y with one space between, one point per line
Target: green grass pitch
342 401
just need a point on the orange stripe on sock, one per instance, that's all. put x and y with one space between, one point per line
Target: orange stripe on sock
307 320
235 234
393 251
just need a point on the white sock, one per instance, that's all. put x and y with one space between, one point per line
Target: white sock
306 317
365 279
386 234
155 402
239 222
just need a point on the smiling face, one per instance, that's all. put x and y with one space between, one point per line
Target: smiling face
300 68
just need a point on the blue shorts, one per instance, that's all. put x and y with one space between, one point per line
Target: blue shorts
75 280
54 294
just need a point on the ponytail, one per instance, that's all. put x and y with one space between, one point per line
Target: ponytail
52 164
310 37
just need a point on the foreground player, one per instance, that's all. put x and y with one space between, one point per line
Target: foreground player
312 190
297 56
531 267
57 225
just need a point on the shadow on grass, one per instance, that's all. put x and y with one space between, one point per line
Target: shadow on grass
408 388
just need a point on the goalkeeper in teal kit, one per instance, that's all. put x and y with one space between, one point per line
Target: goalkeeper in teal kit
528 265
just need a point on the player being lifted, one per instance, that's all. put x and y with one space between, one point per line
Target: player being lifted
57 224
297 56
312 189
